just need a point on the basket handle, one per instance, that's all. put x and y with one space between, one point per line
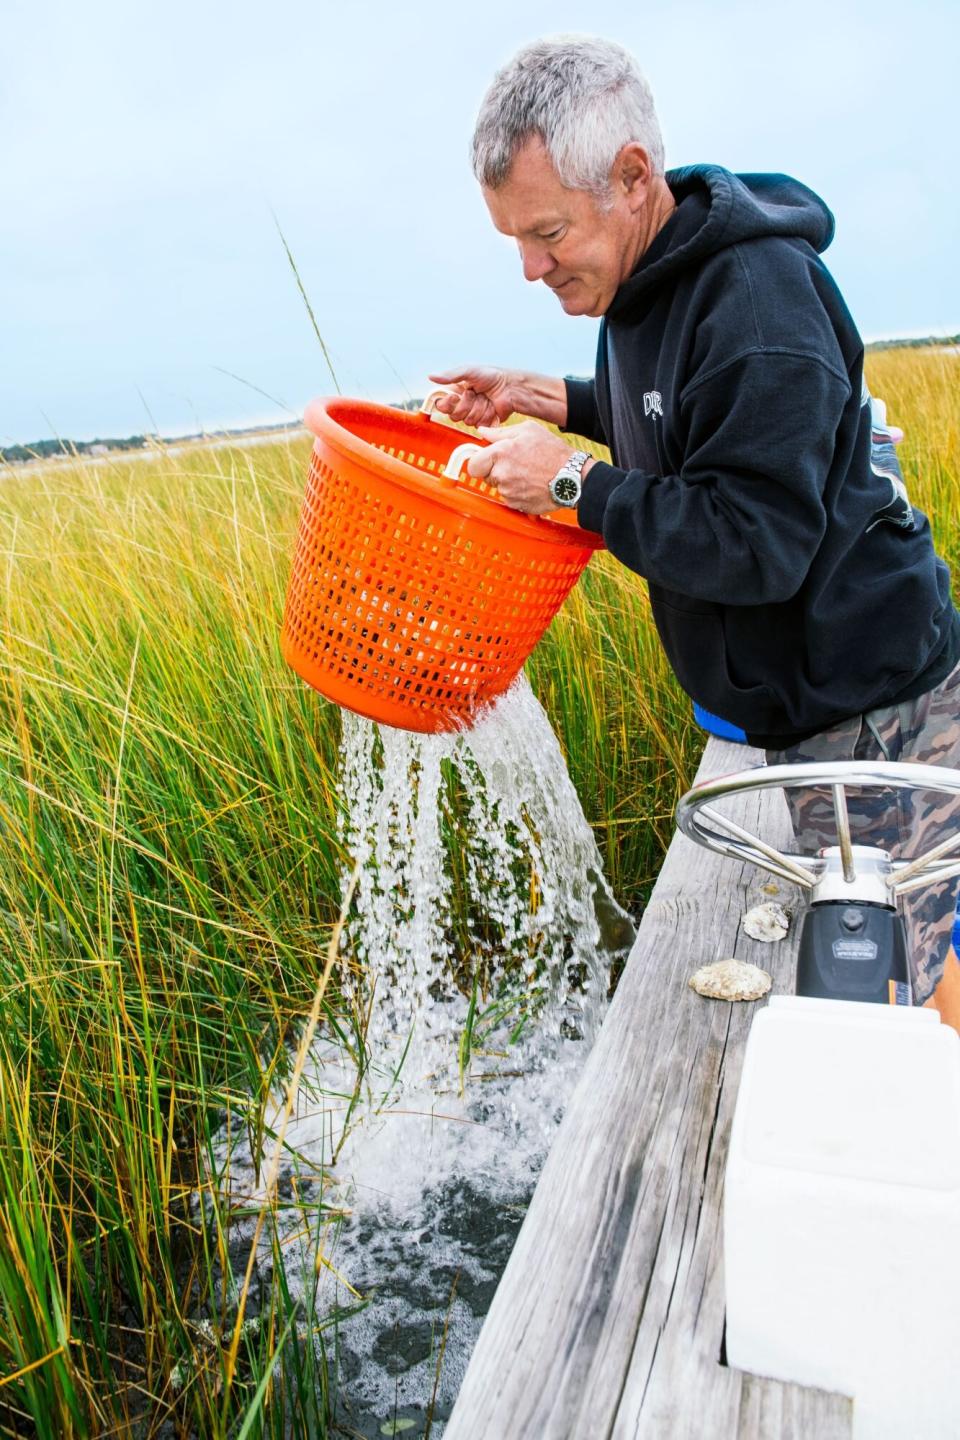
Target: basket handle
430 403
455 463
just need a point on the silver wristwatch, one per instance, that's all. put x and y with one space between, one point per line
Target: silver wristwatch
565 487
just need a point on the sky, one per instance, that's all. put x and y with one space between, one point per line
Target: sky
150 154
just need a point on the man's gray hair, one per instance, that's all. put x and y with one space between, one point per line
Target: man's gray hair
585 98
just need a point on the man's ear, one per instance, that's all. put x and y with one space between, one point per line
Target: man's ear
632 174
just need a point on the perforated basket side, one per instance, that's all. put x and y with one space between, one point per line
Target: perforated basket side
404 610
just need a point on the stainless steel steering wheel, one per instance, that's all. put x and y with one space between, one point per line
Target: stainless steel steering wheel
698 819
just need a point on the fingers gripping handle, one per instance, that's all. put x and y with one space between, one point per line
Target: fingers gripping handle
462 453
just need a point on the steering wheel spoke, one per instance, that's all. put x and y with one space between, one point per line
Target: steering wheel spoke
766 856
927 869
932 876
843 833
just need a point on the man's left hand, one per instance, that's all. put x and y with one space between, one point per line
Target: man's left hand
521 462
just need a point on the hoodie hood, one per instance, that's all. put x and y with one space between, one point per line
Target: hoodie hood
716 209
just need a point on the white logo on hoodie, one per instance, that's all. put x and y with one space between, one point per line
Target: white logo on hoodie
653 403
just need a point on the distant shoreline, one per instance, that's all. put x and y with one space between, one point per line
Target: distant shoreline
926 342
45 451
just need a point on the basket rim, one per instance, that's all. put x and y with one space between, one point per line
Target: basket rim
317 419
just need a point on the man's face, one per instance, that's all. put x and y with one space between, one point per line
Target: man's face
580 251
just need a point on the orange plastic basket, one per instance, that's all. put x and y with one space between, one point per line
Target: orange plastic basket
415 598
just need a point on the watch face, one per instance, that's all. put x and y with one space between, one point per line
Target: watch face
566 488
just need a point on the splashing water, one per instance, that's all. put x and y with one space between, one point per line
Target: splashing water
476 963
492 809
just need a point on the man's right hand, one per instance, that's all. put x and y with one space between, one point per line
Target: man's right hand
486 395
481 395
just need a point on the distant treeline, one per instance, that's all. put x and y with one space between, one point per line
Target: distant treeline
915 343
47 449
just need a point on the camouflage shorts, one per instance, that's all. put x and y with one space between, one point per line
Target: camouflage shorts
905 822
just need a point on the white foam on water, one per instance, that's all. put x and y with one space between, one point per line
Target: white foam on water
434 1152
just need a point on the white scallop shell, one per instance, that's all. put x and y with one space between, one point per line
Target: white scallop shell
768 921
730 980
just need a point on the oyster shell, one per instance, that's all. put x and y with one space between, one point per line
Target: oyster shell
730 980
768 921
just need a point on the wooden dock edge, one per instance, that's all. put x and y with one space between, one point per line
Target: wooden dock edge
608 1322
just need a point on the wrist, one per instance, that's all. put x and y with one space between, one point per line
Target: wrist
540 396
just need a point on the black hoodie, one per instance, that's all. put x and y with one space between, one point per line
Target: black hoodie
791 582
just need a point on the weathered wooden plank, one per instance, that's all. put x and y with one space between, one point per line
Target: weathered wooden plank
608 1321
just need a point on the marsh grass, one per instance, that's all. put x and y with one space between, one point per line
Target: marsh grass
169 879
922 391
168 876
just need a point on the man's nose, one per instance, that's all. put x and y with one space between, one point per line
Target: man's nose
537 261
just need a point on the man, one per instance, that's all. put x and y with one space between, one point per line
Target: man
796 592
